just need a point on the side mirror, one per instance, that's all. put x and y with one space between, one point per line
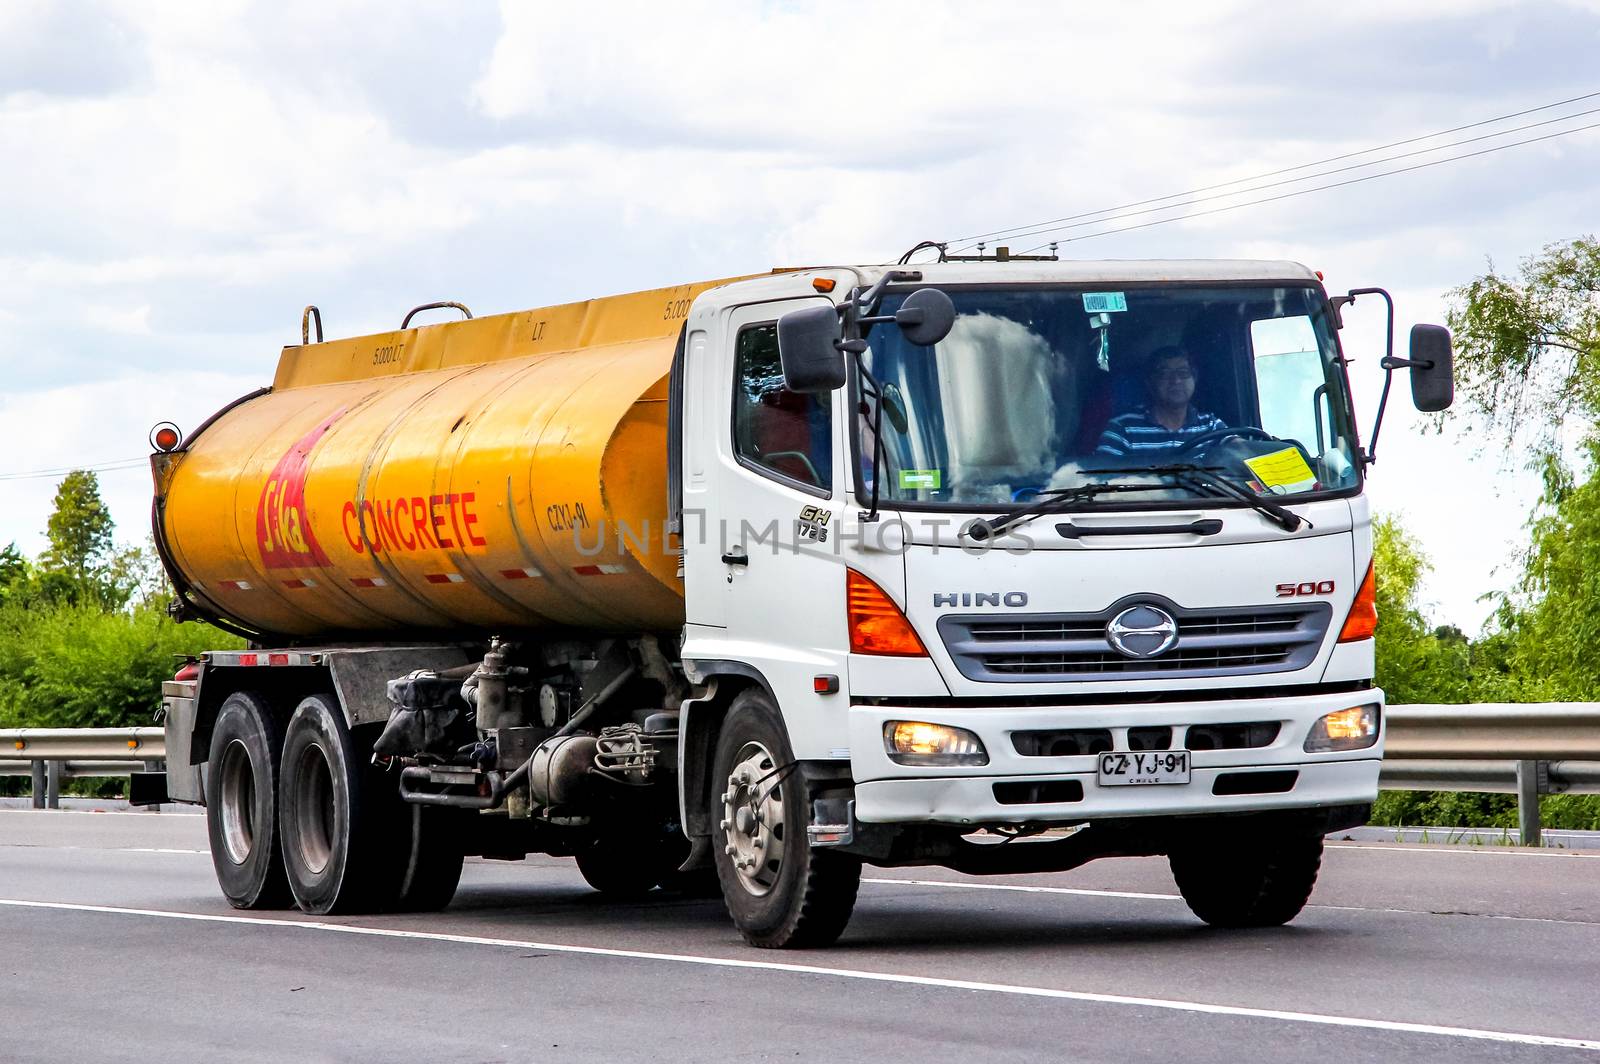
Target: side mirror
1433 383
808 349
926 317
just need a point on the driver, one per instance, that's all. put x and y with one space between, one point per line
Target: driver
1168 419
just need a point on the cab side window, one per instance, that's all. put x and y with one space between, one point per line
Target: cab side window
779 433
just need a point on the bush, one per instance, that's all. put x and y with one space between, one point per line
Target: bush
76 666
1451 809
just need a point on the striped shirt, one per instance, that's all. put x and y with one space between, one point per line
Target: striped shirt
1137 434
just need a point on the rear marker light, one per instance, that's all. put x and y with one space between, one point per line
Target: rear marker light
825 685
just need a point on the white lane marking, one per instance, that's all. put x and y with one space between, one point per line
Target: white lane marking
158 849
1140 896
1136 895
1170 1004
1507 851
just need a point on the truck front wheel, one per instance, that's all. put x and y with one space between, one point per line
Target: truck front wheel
242 804
780 891
1250 883
344 849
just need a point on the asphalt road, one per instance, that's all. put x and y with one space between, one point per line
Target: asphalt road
117 946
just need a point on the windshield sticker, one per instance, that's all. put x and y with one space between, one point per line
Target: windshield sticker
1283 472
1104 302
928 479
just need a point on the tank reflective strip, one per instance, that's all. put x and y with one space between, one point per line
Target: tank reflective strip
599 570
445 578
295 585
235 585
521 574
369 581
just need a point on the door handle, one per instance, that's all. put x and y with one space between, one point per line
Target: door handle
736 556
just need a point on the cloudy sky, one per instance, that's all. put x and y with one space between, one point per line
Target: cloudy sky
179 179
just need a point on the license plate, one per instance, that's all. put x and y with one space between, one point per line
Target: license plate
1144 767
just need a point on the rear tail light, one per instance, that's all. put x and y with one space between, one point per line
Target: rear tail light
876 624
1362 620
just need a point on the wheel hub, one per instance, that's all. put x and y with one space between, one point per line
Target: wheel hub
752 819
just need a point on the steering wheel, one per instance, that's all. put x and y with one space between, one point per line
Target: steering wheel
1246 432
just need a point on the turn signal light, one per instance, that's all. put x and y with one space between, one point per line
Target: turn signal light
876 624
823 284
1362 620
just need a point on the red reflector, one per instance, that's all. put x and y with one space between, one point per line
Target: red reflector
248 659
825 685
277 659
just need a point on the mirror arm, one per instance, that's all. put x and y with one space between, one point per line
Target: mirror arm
866 302
877 429
1389 364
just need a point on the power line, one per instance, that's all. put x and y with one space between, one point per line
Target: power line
992 234
102 467
1113 217
1316 188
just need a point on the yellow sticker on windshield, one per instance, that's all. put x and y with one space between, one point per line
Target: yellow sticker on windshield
1283 471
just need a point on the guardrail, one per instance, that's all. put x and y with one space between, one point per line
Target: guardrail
1528 749
50 755
1524 748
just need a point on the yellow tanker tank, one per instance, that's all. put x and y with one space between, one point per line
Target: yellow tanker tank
494 474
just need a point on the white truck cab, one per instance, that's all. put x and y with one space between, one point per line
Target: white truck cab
1047 546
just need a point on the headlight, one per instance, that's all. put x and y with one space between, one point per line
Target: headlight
913 742
1355 728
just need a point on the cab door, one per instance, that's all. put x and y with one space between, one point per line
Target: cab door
770 503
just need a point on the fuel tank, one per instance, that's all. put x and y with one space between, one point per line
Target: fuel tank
497 474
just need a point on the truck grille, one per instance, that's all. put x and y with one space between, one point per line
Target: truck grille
1061 646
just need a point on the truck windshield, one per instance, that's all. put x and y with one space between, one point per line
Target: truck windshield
1046 389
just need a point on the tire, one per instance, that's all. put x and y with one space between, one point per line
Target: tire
1242 884
433 864
630 861
780 892
344 848
241 791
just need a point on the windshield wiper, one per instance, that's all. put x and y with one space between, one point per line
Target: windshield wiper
1193 476
1053 500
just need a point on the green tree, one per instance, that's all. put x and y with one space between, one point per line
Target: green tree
1528 346
1414 663
14 571
79 529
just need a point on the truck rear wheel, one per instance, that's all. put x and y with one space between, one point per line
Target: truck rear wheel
343 846
242 804
1248 884
781 893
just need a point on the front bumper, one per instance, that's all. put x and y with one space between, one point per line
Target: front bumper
888 793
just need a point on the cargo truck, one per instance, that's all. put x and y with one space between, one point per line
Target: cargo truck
1000 565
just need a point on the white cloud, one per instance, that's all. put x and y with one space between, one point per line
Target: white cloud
192 175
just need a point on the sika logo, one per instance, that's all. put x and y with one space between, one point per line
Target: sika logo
283 530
